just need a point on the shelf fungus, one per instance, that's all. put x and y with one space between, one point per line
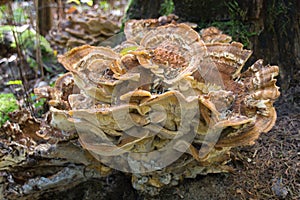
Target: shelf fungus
85 27
165 104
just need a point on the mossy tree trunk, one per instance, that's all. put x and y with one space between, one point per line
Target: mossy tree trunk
142 9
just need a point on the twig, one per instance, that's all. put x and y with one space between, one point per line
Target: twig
22 63
37 37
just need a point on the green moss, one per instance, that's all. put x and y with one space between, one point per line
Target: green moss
237 30
278 15
167 7
236 25
8 104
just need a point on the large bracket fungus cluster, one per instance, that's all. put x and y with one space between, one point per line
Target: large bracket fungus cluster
88 27
165 104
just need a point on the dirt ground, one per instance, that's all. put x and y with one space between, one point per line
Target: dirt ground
270 169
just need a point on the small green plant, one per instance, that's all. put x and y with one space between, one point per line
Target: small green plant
104 5
237 30
17 84
277 15
167 7
20 15
236 26
26 37
8 103
14 82
3 9
38 104
235 11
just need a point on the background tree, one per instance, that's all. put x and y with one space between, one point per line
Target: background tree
45 16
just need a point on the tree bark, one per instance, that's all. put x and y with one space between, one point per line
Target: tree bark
142 9
45 16
276 24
